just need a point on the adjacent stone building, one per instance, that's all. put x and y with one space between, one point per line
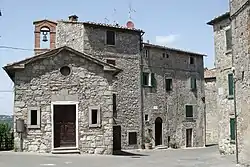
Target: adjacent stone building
237 57
224 82
212 121
98 88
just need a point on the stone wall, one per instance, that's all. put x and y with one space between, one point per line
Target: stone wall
211 107
126 54
36 85
240 27
223 64
170 106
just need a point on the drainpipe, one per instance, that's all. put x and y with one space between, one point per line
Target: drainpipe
236 116
141 90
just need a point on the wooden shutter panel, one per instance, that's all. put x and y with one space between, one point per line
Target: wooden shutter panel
193 83
232 128
153 80
230 84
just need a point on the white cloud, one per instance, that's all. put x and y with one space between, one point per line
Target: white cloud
167 40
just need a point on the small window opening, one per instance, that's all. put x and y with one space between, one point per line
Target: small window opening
111 61
168 84
114 106
33 115
146 117
146 53
163 55
189 111
94 117
132 138
110 37
191 60
65 70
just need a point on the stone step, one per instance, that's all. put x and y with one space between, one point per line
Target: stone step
65 152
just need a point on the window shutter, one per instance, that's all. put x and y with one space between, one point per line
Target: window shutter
153 80
232 128
143 79
229 39
230 84
193 83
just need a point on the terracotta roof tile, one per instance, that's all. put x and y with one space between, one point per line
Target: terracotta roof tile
209 73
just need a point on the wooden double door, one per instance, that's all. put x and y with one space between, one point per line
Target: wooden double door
64 126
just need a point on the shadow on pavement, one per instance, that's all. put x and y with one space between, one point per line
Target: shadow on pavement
125 153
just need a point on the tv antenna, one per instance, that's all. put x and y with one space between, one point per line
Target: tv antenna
106 20
113 15
131 10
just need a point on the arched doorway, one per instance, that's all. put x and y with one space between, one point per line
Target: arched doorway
158 131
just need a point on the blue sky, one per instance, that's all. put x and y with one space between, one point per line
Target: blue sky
175 23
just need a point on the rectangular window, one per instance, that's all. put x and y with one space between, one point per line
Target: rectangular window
193 83
189 111
146 117
229 39
232 128
168 84
94 117
191 60
148 79
110 38
132 138
114 106
110 61
230 85
34 117
146 53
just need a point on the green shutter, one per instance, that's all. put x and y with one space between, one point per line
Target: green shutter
230 84
193 83
229 39
153 80
145 78
232 128
189 111
168 83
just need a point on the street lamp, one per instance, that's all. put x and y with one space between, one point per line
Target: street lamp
236 116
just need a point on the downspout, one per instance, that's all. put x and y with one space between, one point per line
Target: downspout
141 91
234 90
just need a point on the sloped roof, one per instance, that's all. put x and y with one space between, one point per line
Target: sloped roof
9 68
219 18
116 26
209 73
173 49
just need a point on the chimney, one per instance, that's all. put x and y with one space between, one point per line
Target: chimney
73 18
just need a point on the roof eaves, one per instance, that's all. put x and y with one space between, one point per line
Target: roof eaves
219 18
174 49
104 25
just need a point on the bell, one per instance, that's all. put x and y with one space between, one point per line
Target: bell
45 38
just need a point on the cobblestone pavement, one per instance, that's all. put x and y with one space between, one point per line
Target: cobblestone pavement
199 157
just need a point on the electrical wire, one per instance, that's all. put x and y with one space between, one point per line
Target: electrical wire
15 48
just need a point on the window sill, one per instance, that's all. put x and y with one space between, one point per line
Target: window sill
189 120
232 141
228 51
94 126
230 97
110 45
33 126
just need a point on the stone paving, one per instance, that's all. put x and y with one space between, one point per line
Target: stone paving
199 157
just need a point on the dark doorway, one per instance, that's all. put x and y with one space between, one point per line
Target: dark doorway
116 138
189 137
64 126
158 131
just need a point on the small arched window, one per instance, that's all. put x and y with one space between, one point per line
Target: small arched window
45 37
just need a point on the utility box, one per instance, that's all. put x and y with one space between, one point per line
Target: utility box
20 126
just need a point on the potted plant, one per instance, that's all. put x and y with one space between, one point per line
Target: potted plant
148 144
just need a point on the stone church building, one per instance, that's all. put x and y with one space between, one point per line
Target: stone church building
97 88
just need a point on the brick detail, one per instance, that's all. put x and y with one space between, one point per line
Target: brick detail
52 28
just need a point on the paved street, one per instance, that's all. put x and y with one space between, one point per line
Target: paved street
200 157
